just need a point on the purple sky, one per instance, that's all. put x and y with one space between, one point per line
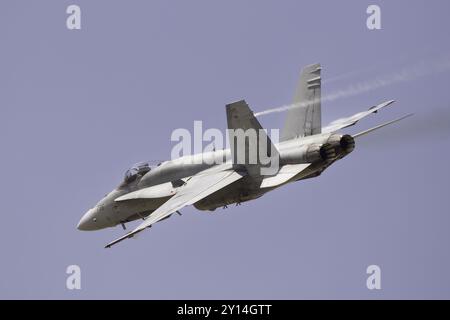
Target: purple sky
79 107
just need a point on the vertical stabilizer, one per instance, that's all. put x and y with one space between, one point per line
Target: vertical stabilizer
305 118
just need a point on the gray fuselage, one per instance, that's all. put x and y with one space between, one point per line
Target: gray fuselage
109 213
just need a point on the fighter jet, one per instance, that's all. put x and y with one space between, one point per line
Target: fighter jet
219 178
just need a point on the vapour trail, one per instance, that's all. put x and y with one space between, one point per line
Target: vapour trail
409 73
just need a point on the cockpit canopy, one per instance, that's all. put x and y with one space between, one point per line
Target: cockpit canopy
137 170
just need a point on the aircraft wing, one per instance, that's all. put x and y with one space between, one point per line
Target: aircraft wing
360 134
196 188
347 122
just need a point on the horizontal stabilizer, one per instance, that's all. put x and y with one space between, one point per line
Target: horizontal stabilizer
286 173
347 122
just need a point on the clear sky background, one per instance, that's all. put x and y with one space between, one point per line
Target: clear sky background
77 108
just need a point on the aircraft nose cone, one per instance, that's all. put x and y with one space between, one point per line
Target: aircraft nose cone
88 221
